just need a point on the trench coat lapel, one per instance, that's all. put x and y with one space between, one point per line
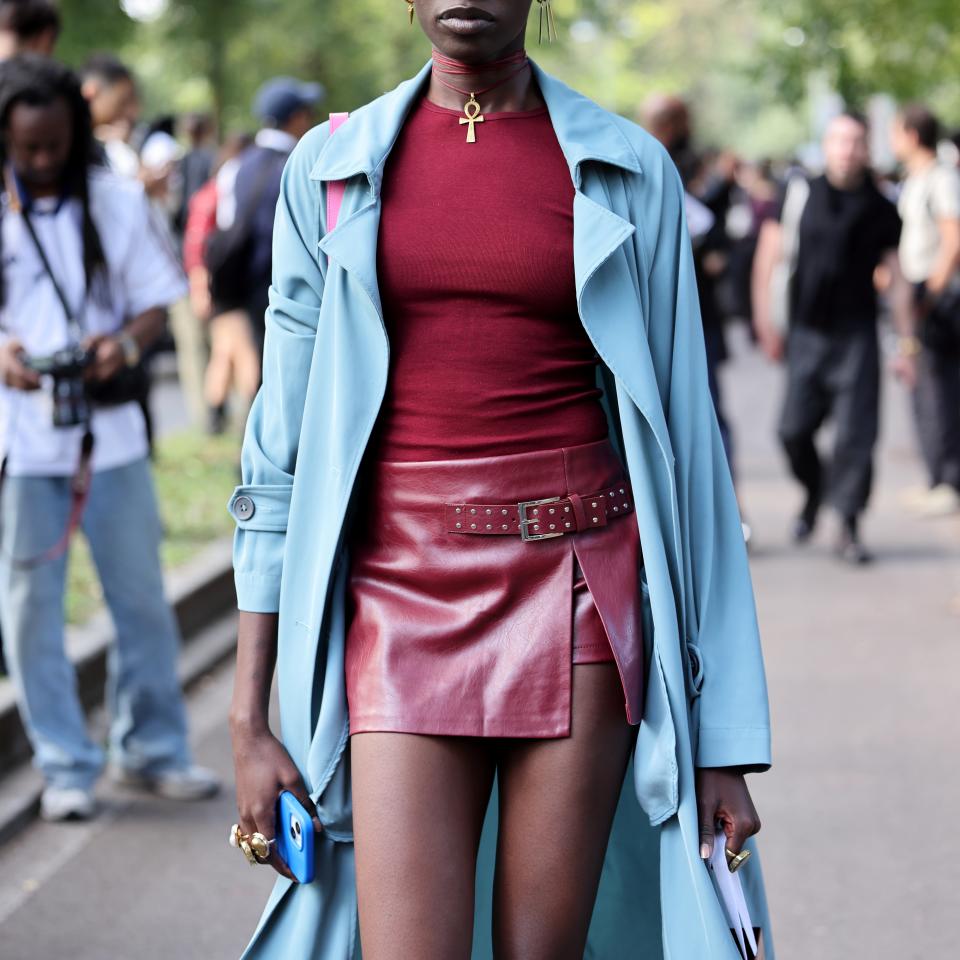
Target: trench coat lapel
586 133
350 244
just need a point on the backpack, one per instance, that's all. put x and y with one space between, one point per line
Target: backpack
228 252
337 188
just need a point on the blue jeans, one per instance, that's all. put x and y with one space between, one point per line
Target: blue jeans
148 732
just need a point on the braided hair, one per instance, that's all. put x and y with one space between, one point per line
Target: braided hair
39 82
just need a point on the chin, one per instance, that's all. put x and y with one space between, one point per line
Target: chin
470 50
480 48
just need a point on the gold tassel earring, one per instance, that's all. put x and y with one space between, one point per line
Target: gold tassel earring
546 12
410 7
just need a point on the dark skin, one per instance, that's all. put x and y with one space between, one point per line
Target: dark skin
39 141
300 123
543 903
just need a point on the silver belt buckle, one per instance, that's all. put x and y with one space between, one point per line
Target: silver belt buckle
525 521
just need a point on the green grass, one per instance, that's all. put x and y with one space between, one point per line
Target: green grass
194 475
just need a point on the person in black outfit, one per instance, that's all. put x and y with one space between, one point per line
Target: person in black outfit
668 118
286 109
847 230
197 164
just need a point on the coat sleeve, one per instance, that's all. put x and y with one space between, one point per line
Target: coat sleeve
722 634
261 503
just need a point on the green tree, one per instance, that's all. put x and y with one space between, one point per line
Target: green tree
92 26
745 65
863 47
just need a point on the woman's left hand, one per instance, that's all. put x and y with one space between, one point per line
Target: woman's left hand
722 796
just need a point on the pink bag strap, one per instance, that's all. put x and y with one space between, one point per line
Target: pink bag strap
336 188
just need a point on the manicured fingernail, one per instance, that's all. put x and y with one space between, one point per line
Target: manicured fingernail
704 851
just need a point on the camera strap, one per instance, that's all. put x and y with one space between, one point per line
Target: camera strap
73 322
79 495
80 481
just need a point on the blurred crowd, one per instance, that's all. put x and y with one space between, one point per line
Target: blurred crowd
818 264
119 232
215 202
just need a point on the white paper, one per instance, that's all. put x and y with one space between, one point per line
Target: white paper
731 894
700 218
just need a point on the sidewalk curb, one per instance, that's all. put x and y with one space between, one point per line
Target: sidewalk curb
202 595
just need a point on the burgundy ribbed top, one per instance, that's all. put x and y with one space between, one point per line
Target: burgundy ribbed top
476 274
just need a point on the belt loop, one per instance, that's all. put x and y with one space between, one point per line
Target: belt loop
576 501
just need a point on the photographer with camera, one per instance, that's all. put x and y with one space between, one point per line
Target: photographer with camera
85 286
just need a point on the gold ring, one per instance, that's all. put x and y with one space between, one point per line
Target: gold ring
254 846
248 852
235 836
736 860
260 846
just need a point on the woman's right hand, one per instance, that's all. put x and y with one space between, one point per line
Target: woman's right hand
264 770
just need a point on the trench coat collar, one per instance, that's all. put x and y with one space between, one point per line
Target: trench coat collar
584 130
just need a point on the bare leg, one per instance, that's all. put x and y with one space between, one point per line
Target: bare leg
220 365
418 809
557 801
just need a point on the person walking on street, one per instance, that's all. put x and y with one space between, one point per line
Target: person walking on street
482 472
234 364
198 162
111 91
930 255
285 108
668 119
85 284
836 231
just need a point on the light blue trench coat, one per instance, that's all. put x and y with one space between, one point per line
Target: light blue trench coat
325 372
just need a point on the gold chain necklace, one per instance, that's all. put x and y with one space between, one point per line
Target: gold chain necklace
472 115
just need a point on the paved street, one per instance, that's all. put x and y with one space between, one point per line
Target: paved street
861 851
149 880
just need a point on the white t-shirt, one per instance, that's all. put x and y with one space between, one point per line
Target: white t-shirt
927 197
143 274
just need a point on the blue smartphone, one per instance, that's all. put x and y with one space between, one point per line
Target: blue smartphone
295 837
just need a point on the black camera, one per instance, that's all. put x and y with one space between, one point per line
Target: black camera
71 405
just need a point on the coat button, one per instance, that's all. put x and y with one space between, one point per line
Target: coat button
243 508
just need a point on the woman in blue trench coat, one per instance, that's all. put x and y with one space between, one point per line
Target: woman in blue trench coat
704 708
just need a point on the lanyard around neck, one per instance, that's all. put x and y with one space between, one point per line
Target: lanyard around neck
16 193
73 318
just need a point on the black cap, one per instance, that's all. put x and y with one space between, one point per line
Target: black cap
278 99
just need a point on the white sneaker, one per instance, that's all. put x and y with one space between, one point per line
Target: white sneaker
186 783
913 498
67 803
941 501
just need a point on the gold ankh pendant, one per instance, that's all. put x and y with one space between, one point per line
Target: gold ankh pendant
472 117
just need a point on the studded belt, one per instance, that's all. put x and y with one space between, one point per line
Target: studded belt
541 519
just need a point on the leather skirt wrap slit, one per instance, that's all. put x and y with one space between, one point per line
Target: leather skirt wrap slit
476 635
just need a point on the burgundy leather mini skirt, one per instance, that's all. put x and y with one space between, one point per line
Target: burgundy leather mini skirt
461 625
